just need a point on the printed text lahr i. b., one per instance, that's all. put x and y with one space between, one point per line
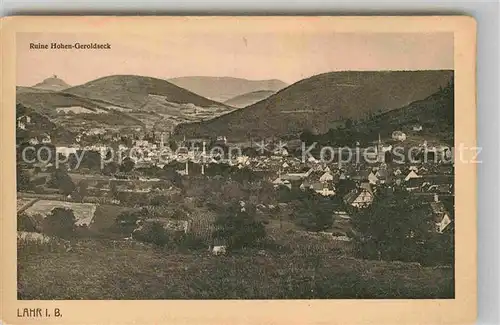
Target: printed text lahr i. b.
73 46
38 312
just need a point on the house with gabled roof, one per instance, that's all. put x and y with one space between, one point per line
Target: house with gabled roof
322 189
441 216
423 170
297 176
372 178
360 197
382 175
282 182
22 121
326 177
411 174
398 135
367 187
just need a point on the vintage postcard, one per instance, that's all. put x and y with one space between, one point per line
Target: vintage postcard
238 170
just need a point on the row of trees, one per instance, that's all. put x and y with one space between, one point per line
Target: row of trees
236 226
60 222
310 210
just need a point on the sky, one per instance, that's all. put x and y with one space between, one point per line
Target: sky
245 53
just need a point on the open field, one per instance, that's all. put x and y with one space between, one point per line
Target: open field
84 212
129 270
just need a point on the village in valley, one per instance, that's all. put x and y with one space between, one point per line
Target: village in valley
332 185
182 191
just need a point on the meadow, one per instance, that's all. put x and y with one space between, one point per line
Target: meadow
281 269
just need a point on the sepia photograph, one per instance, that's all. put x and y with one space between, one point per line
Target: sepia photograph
205 162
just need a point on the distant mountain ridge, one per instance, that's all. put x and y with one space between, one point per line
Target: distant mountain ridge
316 102
247 99
132 91
224 88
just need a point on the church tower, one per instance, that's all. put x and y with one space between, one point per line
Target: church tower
380 150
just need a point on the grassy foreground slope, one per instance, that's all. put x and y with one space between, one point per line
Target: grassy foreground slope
103 269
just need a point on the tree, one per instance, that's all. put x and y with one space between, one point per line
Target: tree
151 171
30 223
344 186
284 194
172 145
82 189
440 248
238 227
307 137
250 152
173 176
151 232
159 200
313 212
232 191
394 227
244 175
60 222
62 181
127 218
127 165
23 179
110 169
266 193
113 190
348 123
90 159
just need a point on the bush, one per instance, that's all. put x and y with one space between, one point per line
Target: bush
29 223
151 232
23 179
159 200
399 227
127 165
127 218
191 241
238 227
312 212
62 181
60 222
